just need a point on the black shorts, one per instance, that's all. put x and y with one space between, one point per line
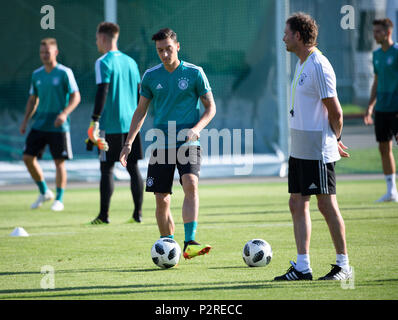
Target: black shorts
162 165
116 142
386 125
58 142
311 177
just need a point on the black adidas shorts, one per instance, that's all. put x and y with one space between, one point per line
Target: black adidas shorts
58 142
386 126
116 142
162 166
310 177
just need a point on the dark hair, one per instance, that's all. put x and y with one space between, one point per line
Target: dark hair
165 33
49 42
306 26
385 23
108 28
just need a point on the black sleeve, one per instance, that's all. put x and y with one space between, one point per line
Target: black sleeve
100 99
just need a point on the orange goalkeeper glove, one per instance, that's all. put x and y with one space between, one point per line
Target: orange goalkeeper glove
93 135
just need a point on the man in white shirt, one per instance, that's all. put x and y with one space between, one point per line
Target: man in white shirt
316 122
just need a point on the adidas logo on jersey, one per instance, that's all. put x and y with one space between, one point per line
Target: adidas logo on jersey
312 186
159 86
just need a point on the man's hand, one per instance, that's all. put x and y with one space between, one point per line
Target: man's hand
60 119
367 119
341 148
192 135
93 135
22 128
124 154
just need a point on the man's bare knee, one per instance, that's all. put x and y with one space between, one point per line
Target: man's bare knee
162 199
190 184
297 203
28 159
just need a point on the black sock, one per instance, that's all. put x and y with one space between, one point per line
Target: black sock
106 189
136 186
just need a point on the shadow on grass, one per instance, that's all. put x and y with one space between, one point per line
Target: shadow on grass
69 292
284 211
87 270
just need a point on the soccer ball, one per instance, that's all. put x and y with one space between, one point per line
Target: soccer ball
165 253
257 253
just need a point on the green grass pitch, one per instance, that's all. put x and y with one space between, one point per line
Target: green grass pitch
114 262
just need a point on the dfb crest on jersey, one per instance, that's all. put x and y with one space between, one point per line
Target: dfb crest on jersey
302 79
183 83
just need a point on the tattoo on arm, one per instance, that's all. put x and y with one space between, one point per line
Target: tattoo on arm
207 98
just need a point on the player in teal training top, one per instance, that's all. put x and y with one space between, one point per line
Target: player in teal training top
53 96
173 101
117 78
384 101
174 87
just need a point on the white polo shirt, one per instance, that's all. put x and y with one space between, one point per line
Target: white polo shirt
312 137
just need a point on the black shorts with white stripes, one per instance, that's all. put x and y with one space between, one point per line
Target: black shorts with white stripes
310 177
59 144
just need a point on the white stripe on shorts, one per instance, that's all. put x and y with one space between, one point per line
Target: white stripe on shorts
323 177
68 145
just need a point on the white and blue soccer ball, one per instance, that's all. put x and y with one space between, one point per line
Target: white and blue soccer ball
166 253
257 253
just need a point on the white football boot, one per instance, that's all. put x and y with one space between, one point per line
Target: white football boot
57 206
389 197
49 195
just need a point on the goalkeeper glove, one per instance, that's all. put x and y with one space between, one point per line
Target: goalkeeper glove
93 135
93 131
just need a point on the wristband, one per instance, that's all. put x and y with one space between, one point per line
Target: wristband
339 139
127 145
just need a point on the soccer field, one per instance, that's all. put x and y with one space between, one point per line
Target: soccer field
114 262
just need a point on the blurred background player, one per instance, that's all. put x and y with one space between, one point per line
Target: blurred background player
53 96
117 78
174 87
384 101
316 122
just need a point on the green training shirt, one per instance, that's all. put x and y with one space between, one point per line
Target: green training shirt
53 90
386 67
175 99
121 72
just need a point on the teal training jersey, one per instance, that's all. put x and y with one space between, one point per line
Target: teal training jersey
386 67
121 72
175 100
53 90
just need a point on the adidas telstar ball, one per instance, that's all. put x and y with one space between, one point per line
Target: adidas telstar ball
257 253
166 253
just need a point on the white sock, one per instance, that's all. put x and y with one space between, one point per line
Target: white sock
391 184
342 261
303 263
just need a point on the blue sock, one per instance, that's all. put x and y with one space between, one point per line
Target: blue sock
171 236
190 230
42 186
60 194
